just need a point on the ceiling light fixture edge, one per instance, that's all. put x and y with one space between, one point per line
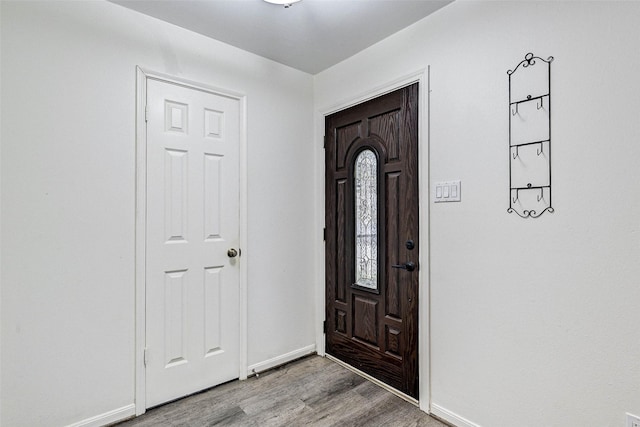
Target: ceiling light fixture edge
285 3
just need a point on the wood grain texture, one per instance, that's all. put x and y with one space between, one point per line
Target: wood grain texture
381 342
345 137
341 191
366 329
309 392
392 228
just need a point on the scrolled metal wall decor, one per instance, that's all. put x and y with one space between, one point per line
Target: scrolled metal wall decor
530 137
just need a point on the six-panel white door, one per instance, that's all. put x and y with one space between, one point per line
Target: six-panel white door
192 287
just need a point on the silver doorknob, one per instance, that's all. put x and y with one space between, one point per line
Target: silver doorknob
232 253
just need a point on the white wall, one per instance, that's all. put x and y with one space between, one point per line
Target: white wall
534 322
68 200
1 221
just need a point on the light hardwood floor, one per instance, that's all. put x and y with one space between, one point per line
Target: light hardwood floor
313 391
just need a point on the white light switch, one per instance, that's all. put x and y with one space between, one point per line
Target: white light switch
448 191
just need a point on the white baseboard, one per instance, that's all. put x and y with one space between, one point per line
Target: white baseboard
280 360
119 414
450 417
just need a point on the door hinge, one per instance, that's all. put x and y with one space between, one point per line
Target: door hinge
146 113
324 144
324 234
324 326
146 357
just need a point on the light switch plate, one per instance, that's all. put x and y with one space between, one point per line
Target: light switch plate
632 420
446 191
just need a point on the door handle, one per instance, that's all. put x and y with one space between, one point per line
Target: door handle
409 266
232 253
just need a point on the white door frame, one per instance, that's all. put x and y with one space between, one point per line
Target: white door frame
140 222
424 355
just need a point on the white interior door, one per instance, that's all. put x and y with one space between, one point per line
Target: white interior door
192 282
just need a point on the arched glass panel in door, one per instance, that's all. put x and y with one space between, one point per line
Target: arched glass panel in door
366 219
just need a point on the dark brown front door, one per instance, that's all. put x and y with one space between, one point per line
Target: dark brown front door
372 237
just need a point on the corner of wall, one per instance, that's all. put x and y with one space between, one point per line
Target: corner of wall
1 388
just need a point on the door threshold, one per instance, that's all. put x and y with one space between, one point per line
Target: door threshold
376 381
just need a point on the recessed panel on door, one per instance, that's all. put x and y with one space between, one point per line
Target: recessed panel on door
213 124
175 306
176 192
213 310
212 196
176 117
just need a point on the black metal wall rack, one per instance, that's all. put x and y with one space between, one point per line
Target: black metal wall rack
530 137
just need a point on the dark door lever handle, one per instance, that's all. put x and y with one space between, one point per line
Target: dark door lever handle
409 266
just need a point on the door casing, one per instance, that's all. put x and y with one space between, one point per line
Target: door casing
421 77
140 223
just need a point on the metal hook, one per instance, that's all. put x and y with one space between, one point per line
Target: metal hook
541 104
516 155
517 196
541 194
541 149
514 112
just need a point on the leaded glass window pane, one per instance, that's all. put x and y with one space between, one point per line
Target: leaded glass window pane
366 221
